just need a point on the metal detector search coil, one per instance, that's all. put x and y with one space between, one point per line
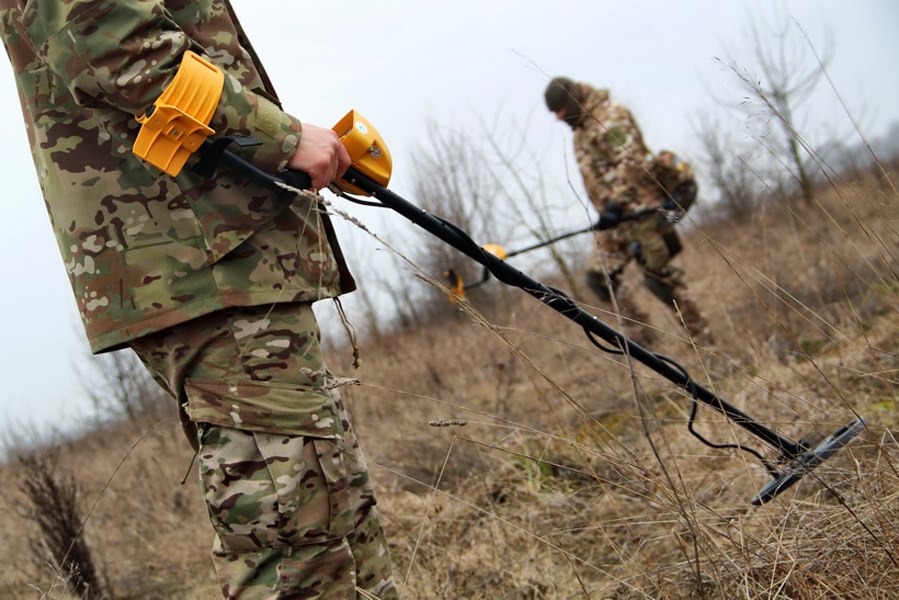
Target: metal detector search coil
800 466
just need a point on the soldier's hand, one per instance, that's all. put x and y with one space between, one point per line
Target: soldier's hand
671 211
610 217
676 204
320 155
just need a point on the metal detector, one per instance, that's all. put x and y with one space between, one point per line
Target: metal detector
369 176
458 286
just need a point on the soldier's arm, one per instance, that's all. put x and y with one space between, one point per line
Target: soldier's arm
121 54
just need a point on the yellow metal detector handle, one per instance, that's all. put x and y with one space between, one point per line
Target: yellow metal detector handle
178 122
368 152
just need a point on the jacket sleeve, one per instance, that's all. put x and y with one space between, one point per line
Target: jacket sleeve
121 54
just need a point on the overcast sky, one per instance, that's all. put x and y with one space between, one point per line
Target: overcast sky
403 64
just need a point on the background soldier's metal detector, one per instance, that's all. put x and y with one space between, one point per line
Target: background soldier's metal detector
458 286
177 126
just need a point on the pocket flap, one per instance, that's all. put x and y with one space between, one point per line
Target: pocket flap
265 407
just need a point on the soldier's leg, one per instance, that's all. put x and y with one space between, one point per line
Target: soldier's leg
659 243
281 525
292 361
367 541
596 281
255 381
611 256
667 285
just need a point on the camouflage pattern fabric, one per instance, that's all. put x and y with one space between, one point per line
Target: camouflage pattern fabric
145 251
670 173
616 166
281 471
609 149
645 243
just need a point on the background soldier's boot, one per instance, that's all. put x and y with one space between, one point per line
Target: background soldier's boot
695 323
667 286
636 322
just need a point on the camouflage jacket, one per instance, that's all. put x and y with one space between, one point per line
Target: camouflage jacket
610 152
145 251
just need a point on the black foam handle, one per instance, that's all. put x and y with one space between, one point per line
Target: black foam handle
297 179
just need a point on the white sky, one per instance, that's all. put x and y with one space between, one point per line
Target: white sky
402 64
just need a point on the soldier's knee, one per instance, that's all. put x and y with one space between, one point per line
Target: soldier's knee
661 289
597 282
635 249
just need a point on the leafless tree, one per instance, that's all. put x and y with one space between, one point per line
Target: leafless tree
783 76
451 182
728 169
515 165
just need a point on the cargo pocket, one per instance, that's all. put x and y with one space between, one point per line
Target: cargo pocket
273 492
332 574
335 469
272 466
654 249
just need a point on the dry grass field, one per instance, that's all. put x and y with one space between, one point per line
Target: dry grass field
514 459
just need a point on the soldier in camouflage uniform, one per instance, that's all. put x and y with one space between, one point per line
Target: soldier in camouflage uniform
621 176
209 281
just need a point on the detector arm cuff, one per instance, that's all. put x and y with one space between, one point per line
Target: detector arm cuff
178 122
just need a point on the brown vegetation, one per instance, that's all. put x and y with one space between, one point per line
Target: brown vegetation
513 459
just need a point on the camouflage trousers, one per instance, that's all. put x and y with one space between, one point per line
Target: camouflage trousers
651 245
284 479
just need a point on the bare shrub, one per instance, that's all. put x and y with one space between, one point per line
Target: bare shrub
451 183
517 169
493 190
727 166
53 507
780 76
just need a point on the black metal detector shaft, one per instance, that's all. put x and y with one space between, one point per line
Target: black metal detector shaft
550 241
632 216
797 456
563 236
566 306
803 459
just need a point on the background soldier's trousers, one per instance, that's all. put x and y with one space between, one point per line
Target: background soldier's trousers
652 245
